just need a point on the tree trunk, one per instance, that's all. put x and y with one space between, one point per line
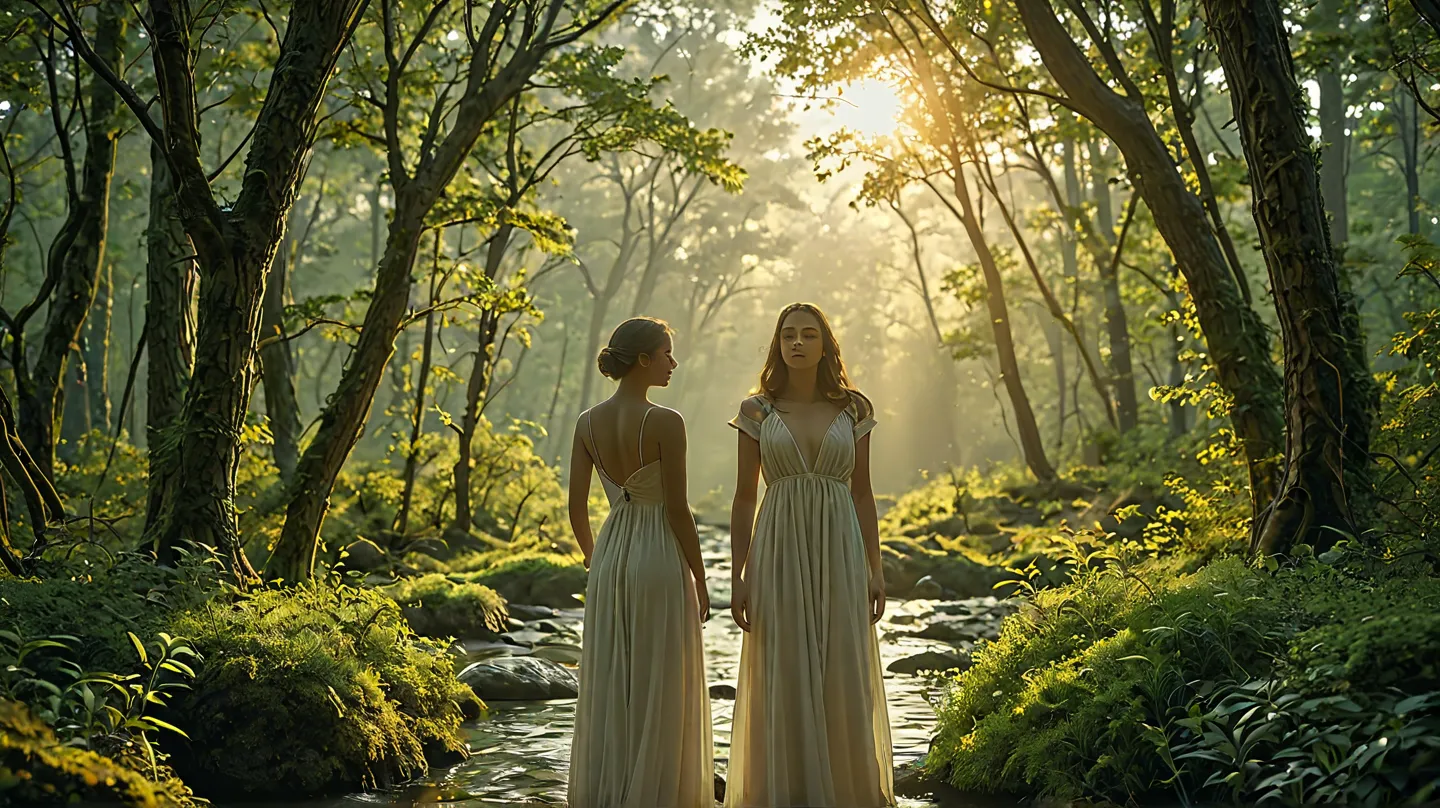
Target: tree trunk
78 251
344 417
235 247
1330 397
417 413
97 351
170 280
1117 327
1409 125
73 401
1334 142
277 366
1234 335
1162 32
42 504
1031 444
477 386
945 109
599 310
1100 191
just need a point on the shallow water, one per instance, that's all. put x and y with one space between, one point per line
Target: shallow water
521 750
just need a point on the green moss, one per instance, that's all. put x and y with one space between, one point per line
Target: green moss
311 690
906 561
437 606
36 769
536 578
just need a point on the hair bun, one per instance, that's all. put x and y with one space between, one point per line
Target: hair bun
636 336
611 364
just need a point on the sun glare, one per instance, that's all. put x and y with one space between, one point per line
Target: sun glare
870 107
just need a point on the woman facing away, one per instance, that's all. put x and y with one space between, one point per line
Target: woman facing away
810 727
642 722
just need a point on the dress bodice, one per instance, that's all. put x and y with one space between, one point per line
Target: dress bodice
643 487
780 454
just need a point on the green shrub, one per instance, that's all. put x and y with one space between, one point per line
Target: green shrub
314 689
37 769
1222 684
436 606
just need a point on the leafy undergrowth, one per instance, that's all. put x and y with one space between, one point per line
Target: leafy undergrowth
302 691
36 768
1308 685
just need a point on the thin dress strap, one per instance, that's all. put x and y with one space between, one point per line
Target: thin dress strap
595 449
640 440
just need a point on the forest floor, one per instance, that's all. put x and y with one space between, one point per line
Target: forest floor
1097 640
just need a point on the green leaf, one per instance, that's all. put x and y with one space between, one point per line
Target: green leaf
139 647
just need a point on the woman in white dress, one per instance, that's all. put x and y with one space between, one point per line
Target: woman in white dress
642 722
811 728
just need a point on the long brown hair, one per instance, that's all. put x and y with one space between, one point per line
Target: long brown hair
831 378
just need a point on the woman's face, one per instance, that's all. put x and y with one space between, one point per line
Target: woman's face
660 365
801 343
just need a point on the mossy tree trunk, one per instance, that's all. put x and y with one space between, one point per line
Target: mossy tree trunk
277 365
1334 140
233 246
97 349
1234 336
1330 396
170 281
76 254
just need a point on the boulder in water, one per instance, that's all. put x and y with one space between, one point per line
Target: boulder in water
527 612
955 630
927 588
722 691
930 661
522 678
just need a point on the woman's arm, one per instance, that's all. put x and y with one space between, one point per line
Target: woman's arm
864 496
742 526
580 470
675 482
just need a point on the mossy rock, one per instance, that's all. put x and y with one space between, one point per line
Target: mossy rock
906 561
436 606
313 690
540 579
36 769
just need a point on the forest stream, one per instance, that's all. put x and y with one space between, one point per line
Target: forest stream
521 750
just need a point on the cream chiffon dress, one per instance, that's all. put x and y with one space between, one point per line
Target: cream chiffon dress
811 728
642 721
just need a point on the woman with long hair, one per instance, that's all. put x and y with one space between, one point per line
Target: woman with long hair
642 722
811 728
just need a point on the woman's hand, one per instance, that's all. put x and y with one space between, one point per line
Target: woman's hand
587 561
877 596
740 603
702 594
